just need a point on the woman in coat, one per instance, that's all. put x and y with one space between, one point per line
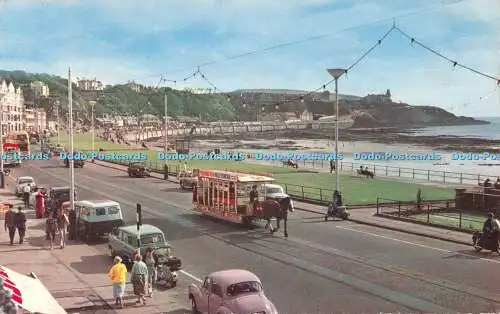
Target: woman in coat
139 277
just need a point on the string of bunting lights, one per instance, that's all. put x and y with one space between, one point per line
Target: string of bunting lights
316 37
199 73
453 62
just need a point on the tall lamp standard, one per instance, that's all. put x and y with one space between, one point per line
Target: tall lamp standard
337 73
71 144
92 104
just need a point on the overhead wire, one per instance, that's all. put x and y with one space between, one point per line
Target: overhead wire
312 38
442 56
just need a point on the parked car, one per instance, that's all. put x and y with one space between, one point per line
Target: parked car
57 150
230 291
188 180
138 170
22 182
123 242
97 218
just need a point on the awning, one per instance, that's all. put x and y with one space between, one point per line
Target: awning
29 293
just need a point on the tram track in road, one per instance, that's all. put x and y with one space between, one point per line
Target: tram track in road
89 182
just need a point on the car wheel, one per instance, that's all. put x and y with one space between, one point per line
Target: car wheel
194 307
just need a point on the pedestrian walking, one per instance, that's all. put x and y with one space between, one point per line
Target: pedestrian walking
62 224
51 227
10 223
20 222
118 275
151 261
40 204
139 275
26 195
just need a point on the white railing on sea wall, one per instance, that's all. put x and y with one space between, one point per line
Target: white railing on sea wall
220 130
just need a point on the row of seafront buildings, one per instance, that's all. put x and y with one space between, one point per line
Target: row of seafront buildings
16 113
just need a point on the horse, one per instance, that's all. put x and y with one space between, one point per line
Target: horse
277 208
291 163
366 173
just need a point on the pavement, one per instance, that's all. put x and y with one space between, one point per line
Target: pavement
81 284
323 267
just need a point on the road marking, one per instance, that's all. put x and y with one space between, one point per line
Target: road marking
190 276
418 244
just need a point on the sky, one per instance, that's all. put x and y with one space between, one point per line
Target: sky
119 41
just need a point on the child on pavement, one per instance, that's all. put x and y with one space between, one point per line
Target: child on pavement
62 224
51 227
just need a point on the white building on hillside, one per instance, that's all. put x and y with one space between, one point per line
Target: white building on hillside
11 107
40 89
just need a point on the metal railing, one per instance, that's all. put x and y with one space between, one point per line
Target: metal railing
439 213
416 174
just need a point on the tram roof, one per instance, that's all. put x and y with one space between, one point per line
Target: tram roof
236 176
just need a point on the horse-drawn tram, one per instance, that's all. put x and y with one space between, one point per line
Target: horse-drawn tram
226 195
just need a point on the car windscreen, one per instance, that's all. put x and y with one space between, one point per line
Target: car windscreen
152 238
107 210
24 181
274 190
243 287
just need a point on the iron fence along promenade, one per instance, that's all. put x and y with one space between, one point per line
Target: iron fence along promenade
416 174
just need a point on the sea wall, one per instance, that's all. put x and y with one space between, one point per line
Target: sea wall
235 129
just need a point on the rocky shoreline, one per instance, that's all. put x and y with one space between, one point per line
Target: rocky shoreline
384 136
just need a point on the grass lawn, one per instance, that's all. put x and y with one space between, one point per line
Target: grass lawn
310 184
452 219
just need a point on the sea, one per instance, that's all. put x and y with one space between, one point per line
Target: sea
485 131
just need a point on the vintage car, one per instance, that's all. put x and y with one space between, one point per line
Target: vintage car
188 180
123 242
97 218
57 196
230 291
138 170
22 182
76 163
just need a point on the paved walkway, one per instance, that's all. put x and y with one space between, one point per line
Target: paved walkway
77 275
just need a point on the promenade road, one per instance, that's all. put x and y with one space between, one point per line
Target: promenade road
324 267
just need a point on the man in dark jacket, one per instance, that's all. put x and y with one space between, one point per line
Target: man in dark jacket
10 224
20 223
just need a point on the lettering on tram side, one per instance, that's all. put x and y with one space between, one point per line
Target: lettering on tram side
396 156
291 155
235 156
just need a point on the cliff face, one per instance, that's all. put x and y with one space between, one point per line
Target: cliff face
405 116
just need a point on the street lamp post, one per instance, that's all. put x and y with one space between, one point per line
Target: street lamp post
57 122
71 147
92 103
165 102
337 73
